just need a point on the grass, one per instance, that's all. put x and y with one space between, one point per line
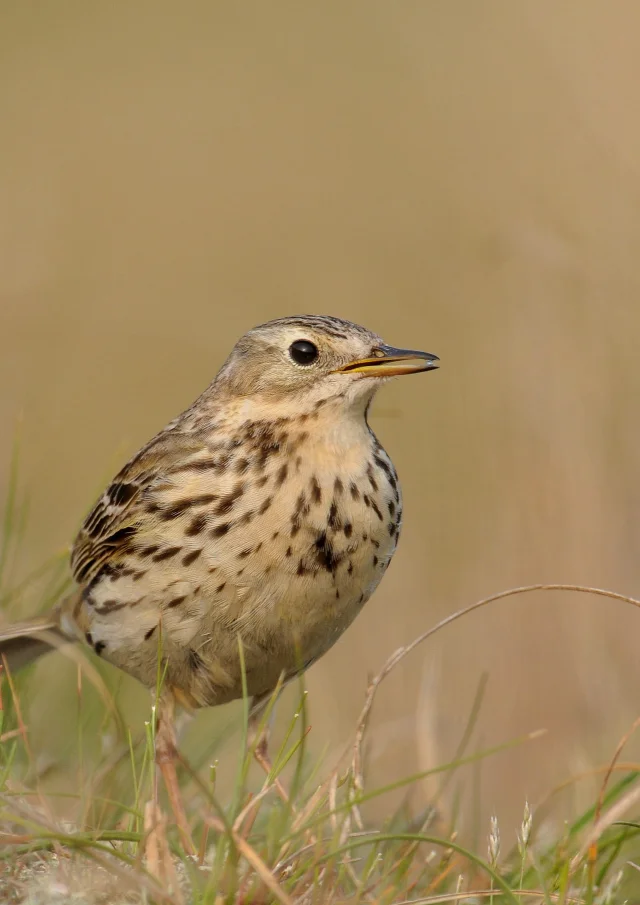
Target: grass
299 834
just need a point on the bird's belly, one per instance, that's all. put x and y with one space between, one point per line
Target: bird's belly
281 632
284 585
297 591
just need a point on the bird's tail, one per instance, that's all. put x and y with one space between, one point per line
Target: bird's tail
24 642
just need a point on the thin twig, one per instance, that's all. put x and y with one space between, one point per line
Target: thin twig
402 652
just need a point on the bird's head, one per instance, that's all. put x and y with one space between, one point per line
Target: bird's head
308 358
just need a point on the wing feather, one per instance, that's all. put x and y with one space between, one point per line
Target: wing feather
122 512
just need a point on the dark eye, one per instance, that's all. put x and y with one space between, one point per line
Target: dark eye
303 352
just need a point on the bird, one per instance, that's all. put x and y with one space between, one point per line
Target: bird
242 540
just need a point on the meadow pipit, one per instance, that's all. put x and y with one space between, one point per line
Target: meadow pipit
267 512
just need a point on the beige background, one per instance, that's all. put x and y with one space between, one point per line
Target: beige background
461 177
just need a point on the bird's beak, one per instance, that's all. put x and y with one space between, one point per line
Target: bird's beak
386 361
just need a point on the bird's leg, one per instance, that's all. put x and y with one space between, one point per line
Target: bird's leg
166 757
258 737
157 853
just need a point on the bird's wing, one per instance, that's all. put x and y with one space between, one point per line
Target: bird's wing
138 494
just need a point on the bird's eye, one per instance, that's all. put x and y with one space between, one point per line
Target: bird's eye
303 352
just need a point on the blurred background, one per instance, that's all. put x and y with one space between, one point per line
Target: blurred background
459 177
